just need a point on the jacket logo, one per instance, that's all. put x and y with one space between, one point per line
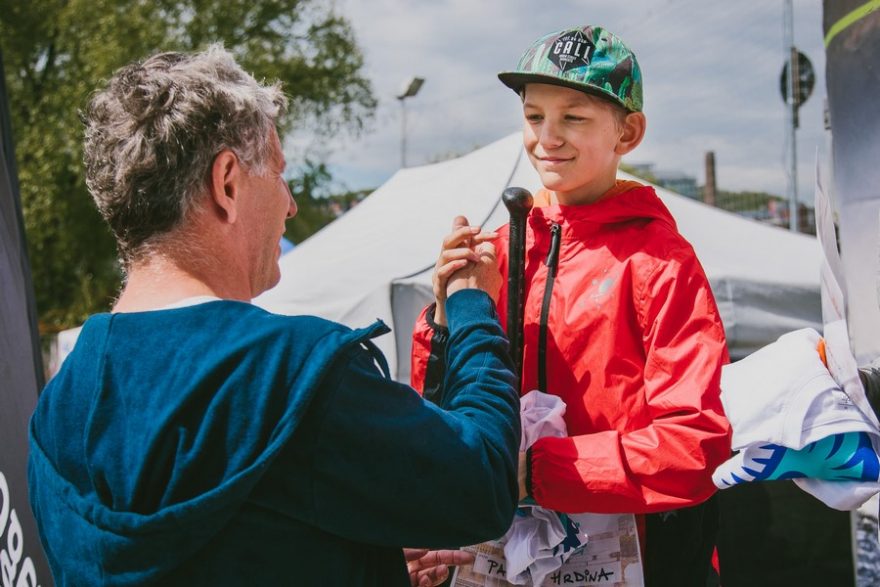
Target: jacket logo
599 288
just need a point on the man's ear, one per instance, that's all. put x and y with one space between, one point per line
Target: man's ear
224 188
633 132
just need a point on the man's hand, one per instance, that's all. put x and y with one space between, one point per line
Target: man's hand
464 248
428 568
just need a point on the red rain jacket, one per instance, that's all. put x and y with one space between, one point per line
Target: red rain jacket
633 344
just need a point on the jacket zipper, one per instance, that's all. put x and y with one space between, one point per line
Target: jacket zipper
552 263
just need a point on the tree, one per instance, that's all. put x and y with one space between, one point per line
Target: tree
318 201
57 52
309 192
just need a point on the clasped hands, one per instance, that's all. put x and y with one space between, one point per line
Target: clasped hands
467 260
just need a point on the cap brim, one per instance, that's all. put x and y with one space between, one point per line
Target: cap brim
516 81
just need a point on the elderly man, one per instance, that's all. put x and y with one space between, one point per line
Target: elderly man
192 438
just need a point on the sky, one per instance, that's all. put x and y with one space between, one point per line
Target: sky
711 73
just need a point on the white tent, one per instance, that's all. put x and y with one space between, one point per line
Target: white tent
376 260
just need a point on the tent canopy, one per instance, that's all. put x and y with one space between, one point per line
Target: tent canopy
376 260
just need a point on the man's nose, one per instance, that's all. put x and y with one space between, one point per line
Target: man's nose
292 209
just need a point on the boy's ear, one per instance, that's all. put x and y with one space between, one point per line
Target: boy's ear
633 132
224 185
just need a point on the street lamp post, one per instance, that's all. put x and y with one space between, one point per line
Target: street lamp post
409 89
792 117
797 84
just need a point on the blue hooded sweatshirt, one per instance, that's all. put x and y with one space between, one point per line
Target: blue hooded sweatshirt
219 444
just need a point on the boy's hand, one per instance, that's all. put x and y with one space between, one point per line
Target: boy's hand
462 247
483 274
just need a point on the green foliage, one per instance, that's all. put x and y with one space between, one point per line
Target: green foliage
56 52
307 190
316 205
640 173
738 201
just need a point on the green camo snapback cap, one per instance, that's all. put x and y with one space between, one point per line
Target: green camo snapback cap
589 59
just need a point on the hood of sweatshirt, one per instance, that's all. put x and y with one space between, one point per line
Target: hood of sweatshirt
625 202
159 425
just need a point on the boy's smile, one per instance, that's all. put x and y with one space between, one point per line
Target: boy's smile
574 140
554 161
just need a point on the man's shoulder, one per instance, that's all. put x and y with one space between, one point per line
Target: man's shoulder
217 325
216 329
245 316
309 330
298 321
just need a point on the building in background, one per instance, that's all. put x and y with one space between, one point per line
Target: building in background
761 206
680 182
677 181
766 208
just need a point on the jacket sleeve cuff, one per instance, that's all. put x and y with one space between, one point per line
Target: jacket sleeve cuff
429 318
467 306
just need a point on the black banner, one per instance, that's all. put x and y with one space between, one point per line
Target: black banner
852 48
22 562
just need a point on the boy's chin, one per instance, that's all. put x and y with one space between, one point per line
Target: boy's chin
553 181
548 176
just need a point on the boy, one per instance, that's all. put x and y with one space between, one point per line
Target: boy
619 318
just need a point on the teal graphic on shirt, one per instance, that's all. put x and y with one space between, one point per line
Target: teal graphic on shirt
848 456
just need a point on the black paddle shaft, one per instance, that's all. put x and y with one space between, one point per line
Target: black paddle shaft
519 203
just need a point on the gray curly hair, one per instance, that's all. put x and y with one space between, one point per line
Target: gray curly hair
152 135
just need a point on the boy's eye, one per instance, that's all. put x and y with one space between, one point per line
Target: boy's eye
574 118
534 117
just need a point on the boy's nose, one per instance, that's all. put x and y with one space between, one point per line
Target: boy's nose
550 136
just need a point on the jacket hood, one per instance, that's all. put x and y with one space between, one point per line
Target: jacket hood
172 447
626 202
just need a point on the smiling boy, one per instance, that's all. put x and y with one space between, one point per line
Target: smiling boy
620 321
575 141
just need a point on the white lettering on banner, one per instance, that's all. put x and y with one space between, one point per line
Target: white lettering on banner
4 507
28 575
10 556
